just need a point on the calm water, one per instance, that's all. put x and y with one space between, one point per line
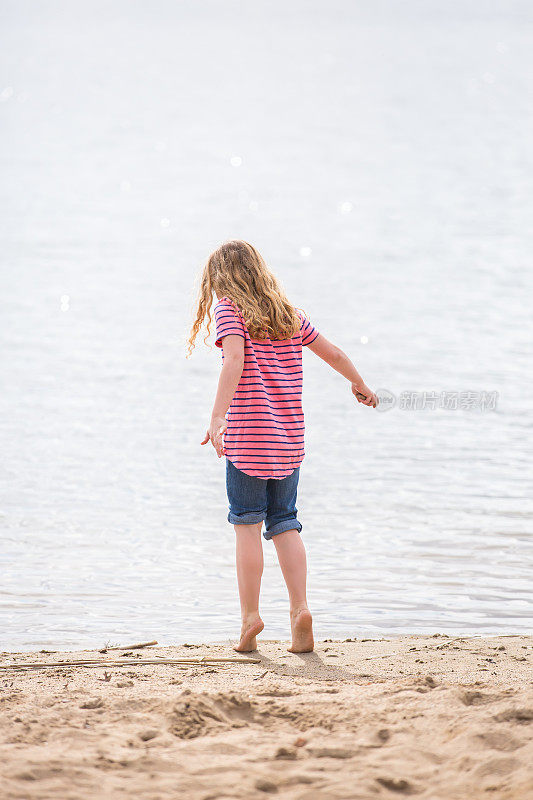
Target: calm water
380 156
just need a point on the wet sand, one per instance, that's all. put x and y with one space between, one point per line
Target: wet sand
428 716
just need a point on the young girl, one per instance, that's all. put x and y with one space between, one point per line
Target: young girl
258 422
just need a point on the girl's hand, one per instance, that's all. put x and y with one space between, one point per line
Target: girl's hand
365 395
216 430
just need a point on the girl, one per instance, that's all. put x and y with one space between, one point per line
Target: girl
258 422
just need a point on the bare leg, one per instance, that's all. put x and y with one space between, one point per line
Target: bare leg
293 563
249 554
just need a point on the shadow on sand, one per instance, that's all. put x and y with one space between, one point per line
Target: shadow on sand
311 666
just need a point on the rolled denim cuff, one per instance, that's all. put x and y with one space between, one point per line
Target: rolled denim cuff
281 527
249 518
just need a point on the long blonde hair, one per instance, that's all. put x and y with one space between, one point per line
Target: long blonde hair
237 271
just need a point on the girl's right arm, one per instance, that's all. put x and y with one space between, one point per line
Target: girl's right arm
230 375
340 362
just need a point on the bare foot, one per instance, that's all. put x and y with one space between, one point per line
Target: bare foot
249 631
302 632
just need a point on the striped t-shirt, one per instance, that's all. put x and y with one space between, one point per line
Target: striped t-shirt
265 421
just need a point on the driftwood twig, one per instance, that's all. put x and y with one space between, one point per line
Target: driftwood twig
102 662
129 646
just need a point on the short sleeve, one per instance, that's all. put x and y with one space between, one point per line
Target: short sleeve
309 332
227 321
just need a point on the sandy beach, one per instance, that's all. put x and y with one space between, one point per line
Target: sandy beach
431 716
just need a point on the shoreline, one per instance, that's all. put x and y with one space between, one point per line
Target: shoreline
434 716
229 641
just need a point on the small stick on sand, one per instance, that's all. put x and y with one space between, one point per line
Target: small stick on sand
129 646
127 662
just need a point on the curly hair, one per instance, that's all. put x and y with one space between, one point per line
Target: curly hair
238 272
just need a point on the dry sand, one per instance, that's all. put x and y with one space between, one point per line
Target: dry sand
432 717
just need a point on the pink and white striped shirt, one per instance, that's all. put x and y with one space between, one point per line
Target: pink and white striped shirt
265 434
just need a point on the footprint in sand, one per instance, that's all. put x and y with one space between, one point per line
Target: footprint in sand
286 753
96 703
331 752
496 740
399 785
265 785
497 766
520 715
146 736
475 698
198 714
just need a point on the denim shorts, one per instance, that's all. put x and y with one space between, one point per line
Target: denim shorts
253 500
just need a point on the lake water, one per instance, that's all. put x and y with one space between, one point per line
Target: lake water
379 156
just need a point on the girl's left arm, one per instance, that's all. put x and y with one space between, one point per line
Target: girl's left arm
230 375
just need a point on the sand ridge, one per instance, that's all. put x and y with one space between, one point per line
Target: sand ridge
423 716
